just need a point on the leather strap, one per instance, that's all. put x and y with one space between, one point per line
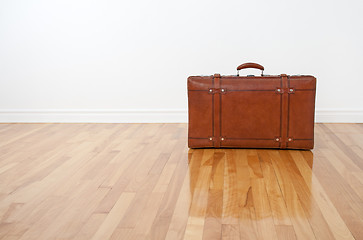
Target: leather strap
284 110
217 110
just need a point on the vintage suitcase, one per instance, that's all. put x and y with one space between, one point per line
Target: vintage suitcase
251 111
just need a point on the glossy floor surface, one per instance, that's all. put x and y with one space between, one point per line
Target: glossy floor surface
140 181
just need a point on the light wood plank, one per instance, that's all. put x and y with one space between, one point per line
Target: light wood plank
140 181
113 218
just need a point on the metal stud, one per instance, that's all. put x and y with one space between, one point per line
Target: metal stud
222 90
210 139
277 139
290 139
291 90
210 90
222 139
279 90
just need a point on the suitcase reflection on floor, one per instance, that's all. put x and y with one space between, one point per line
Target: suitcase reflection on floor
251 192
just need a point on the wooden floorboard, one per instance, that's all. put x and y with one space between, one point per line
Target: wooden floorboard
140 181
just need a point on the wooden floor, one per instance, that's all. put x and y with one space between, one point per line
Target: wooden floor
140 181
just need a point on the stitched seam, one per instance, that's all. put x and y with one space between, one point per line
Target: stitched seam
217 105
272 139
213 112
288 112
280 111
304 90
284 111
252 90
198 138
220 111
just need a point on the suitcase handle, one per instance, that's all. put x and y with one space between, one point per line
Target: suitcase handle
250 65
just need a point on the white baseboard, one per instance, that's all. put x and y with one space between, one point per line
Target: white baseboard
144 115
339 115
96 116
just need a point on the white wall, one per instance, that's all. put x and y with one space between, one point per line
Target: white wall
127 61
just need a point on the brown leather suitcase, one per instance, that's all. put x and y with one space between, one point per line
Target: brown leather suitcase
251 111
